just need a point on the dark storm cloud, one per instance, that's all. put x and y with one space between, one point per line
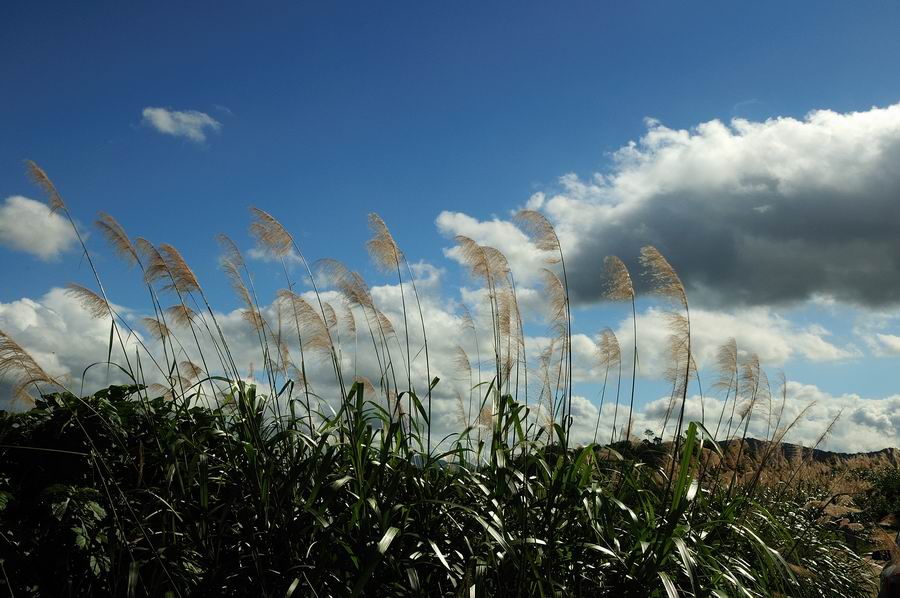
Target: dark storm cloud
751 214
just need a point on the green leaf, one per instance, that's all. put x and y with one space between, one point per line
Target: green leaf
386 539
671 591
292 588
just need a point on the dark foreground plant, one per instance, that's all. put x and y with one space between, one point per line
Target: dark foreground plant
124 494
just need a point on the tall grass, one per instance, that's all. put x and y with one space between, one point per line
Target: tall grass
194 479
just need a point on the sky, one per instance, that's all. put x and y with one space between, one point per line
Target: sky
756 145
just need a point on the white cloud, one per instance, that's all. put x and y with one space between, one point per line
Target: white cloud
890 343
748 212
64 339
524 259
61 335
758 330
865 424
191 124
28 225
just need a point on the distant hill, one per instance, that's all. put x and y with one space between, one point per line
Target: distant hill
793 461
788 453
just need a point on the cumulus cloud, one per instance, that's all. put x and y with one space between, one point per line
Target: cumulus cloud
28 225
758 330
191 124
62 336
863 425
748 212
64 339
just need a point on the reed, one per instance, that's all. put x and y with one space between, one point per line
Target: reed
190 478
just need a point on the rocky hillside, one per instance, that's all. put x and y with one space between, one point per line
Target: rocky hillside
790 454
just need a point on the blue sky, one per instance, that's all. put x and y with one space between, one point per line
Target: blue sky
327 111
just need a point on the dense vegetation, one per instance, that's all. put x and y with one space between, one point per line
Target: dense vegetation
122 494
190 480
883 497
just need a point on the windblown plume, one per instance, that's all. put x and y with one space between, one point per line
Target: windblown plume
40 178
754 386
608 353
180 314
461 411
467 322
270 234
619 286
497 262
381 246
314 332
350 284
16 364
504 312
474 257
349 319
161 390
727 366
89 300
233 273
252 316
678 364
664 280
190 370
331 319
368 387
486 417
541 232
556 299
462 363
385 323
231 250
296 374
155 267
183 278
117 238
156 328
548 377
285 353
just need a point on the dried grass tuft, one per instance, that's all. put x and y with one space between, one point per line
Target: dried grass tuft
89 300
40 178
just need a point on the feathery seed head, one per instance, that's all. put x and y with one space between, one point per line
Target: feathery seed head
270 234
664 279
541 232
619 286
40 178
381 246
90 301
609 354
181 314
117 237
17 365
156 328
183 278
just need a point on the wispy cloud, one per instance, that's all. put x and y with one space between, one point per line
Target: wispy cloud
28 225
191 124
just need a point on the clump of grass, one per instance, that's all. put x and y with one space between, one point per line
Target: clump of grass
193 480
